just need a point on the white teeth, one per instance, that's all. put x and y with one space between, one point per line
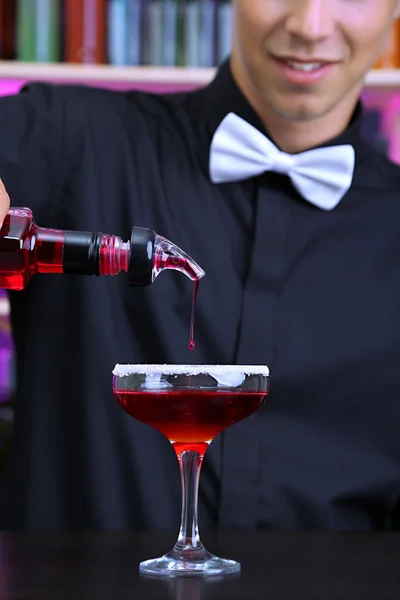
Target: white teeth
304 66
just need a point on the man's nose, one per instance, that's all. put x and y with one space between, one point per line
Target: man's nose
310 20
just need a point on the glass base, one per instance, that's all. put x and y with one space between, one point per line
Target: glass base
205 565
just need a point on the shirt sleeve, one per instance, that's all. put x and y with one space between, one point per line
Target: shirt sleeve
33 143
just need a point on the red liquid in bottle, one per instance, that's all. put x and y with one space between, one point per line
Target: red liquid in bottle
27 249
190 419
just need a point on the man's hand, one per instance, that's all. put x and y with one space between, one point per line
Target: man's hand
4 202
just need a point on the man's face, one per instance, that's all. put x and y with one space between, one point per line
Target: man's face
303 58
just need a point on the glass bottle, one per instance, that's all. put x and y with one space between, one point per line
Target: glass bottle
26 249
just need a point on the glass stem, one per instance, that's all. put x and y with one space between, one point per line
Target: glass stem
190 464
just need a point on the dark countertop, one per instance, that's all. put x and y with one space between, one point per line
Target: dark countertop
275 566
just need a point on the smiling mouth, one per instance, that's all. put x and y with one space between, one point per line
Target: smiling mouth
307 67
304 66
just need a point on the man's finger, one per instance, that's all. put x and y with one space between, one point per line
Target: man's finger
4 202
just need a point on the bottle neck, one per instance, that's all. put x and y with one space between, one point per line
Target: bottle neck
114 255
79 252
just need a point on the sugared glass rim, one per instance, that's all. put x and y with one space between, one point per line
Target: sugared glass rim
126 370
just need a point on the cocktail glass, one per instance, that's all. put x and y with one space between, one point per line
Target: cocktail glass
190 405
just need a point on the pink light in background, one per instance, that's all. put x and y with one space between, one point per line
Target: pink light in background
10 86
388 102
391 126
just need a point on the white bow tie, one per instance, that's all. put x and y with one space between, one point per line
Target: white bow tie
239 151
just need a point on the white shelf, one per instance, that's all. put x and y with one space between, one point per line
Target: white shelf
106 73
383 78
379 79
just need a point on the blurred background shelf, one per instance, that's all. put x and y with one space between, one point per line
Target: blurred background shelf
107 73
384 78
176 76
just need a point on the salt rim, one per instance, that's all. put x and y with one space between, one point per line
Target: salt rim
191 370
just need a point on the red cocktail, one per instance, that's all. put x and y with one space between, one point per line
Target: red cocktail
190 405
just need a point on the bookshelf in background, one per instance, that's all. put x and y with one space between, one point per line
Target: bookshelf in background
192 33
162 33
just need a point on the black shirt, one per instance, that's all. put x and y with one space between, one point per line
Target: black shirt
315 295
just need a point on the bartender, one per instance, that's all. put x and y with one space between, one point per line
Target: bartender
262 178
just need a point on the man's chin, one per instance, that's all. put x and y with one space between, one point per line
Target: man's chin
299 110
